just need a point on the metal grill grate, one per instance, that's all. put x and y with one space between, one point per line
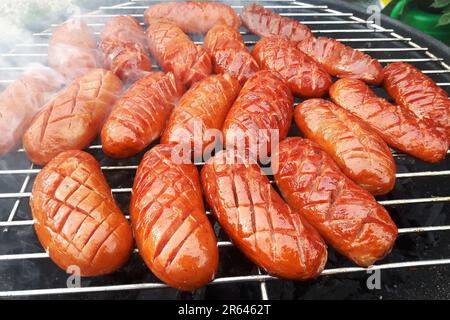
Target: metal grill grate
420 186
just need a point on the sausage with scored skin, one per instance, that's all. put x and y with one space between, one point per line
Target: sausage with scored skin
305 77
415 91
229 53
396 125
73 118
193 16
342 61
76 218
345 215
175 52
72 49
140 115
263 105
172 231
360 153
264 22
258 221
203 107
124 48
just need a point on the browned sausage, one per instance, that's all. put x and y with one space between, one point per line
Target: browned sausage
202 108
76 219
263 107
193 16
73 118
360 153
347 216
173 234
229 53
72 50
342 61
398 126
258 221
140 115
264 22
124 48
174 51
20 101
305 77
415 91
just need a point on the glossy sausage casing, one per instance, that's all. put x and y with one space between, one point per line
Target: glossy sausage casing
200 111
360 153
398 126
229 53
174 51
305 77
73 118
258 221
140 115
76 219
263 107
72 50
415 91
193 16
21 100
342 61
264 22
173 234
124 48
347 216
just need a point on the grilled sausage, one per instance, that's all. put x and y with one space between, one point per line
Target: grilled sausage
345 215
174 51
173 234
76 218
342 61
72 50
360 153
398 126
415 91
73 118
20 101
258 221
140 115
229 53
263 105
305 77
193 16
202 108
124 48
264 22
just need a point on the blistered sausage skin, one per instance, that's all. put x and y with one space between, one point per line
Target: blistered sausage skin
258 221
360 153
21 100
172 232
396 125
263 108
229 53
124 48
346 216
73 118
72 49
140 115
342 61
264 22
305 77
193 16
415 91
76 218
175 52
200 111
